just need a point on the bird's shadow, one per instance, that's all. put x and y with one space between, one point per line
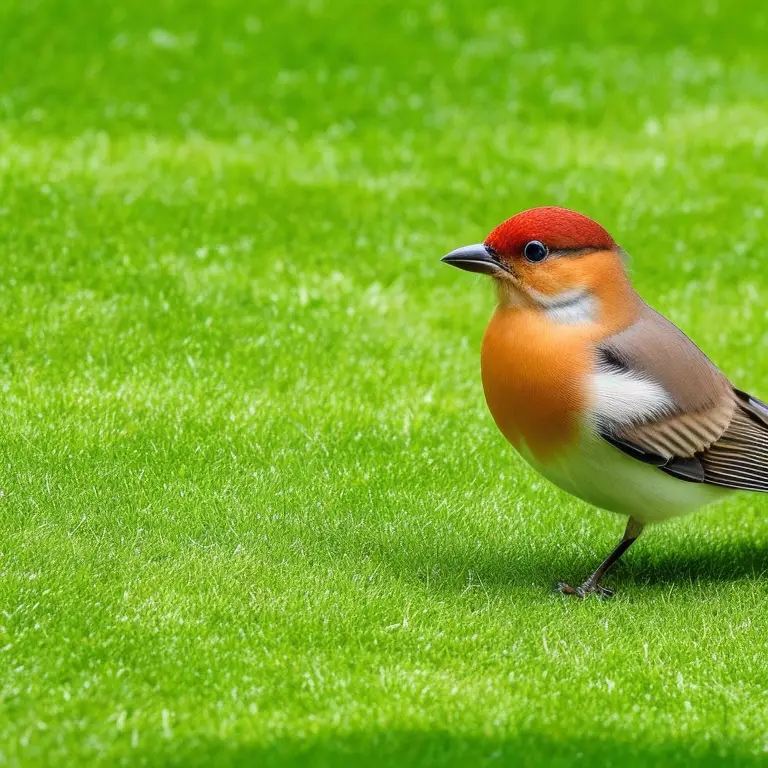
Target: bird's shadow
454 567
741 560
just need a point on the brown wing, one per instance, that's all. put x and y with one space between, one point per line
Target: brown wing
739 459
711 433
703 402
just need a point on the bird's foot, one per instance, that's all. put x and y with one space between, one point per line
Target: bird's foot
586 589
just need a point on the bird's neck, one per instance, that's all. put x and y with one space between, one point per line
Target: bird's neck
604 300
537 363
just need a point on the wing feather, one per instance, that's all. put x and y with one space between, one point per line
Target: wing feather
740 458
690 422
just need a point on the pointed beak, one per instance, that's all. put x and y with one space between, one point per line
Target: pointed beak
475 258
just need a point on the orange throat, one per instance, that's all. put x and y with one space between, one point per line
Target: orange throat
533 376
536 372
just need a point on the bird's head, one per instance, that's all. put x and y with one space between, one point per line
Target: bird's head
548 258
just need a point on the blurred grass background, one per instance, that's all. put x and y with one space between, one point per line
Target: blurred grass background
253 509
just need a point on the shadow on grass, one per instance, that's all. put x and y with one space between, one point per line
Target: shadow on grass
444 749
546 563
742 560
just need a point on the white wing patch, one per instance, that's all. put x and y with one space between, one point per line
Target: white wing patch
621 398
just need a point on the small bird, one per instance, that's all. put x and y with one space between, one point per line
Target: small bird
598 392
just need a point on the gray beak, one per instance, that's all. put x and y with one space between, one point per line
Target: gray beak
475 258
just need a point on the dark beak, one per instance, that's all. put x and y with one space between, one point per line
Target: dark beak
475 258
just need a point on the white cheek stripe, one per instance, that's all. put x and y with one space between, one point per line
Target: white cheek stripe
567 308
620 398
575 312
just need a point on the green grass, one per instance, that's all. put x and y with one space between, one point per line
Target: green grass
253 508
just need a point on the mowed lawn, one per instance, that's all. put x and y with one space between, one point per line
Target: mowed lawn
253 509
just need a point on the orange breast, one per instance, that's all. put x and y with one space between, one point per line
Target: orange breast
534 377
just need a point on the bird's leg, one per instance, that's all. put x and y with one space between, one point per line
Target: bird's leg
592 585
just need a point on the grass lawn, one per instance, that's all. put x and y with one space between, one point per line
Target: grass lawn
254 510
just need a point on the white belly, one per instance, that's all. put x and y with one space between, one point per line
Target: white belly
602 475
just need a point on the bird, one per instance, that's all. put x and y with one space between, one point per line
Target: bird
600 393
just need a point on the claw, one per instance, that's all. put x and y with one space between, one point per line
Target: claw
604 593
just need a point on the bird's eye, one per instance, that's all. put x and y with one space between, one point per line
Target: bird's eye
535 251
